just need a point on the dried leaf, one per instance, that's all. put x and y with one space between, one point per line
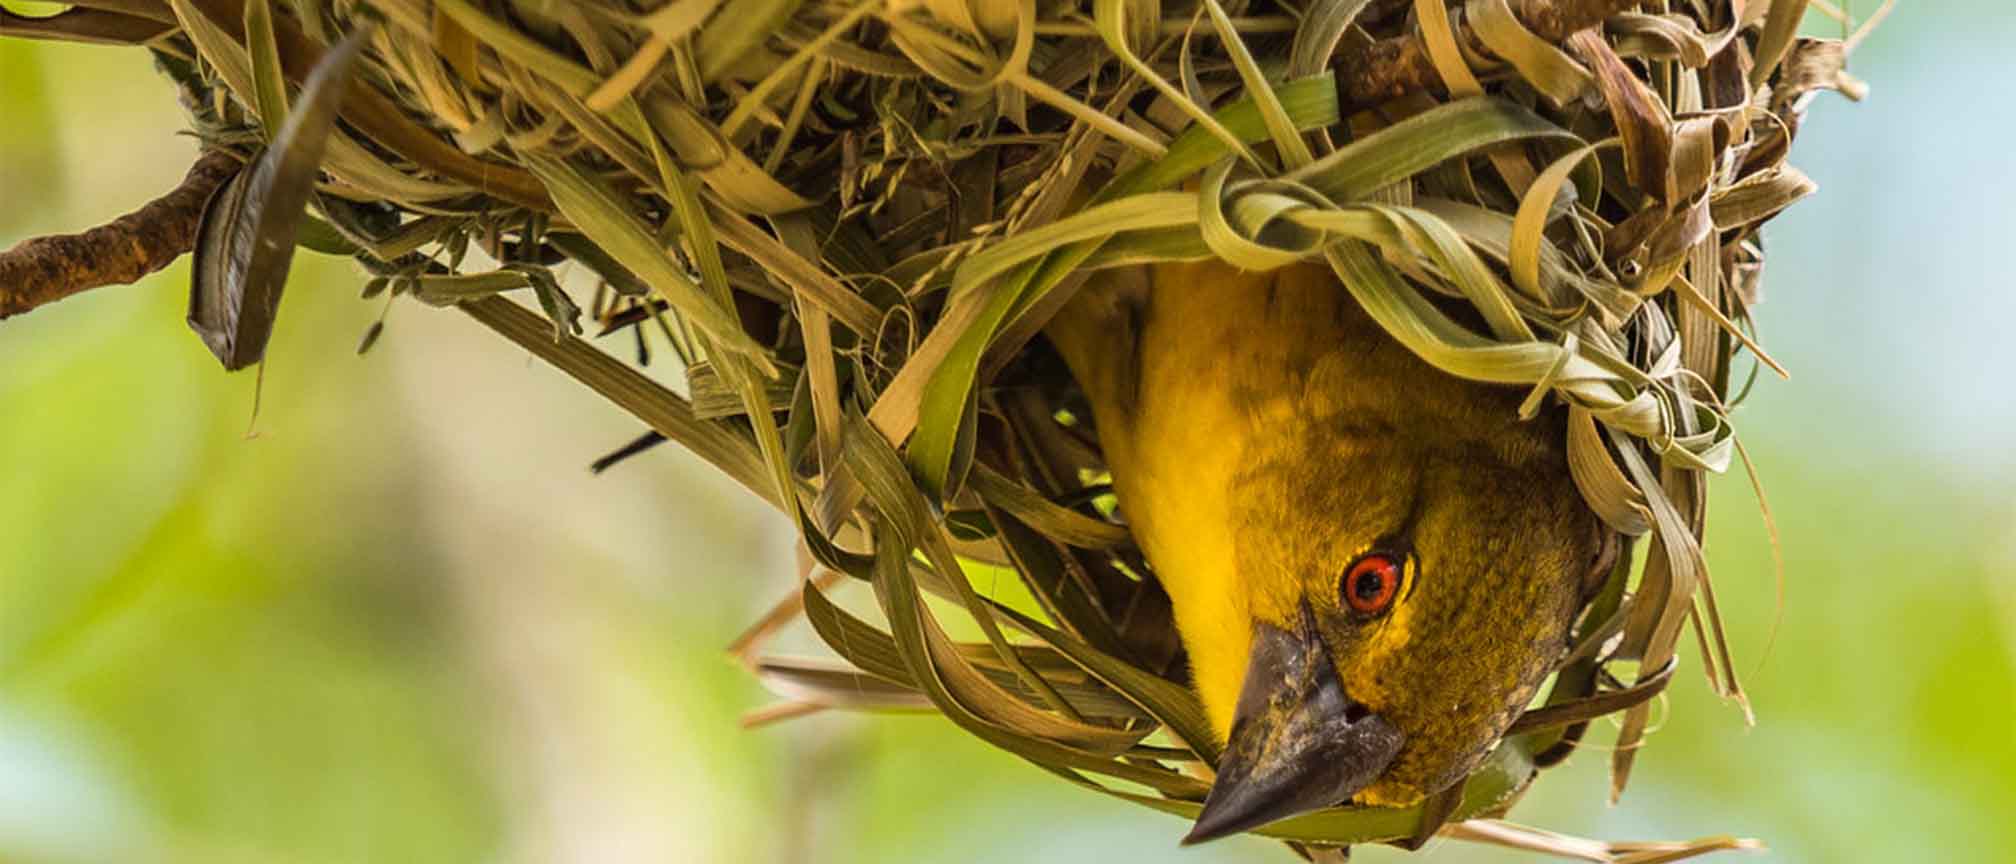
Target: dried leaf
245 245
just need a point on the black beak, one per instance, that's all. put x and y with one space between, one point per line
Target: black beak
1298 742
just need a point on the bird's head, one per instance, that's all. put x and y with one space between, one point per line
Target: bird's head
1403 590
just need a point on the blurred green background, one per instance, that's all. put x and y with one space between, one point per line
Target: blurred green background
404 623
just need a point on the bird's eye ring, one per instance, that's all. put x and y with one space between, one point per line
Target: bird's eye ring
1372 583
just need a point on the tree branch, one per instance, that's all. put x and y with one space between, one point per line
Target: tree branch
79 23
1400 65
43 270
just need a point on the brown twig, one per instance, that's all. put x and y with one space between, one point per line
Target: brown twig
43 270
81 24
1400 65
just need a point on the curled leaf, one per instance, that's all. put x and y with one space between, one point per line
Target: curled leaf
245 244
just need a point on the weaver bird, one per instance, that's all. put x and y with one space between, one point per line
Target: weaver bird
1373 563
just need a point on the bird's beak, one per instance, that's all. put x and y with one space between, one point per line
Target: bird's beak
1298 742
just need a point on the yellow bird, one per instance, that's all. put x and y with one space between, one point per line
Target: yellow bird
1373 563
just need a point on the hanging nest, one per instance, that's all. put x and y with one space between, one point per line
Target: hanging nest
849 218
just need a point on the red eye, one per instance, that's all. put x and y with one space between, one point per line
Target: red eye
1372 583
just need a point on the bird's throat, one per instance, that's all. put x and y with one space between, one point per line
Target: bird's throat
1193 372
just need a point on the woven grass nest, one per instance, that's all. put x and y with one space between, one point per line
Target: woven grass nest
849 218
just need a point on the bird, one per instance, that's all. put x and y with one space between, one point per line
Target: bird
1373 564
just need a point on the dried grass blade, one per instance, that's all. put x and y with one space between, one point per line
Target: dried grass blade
603 218
1540 64
269 82
889 487
1281 128
961 692
661 409
1109 18
1420 142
